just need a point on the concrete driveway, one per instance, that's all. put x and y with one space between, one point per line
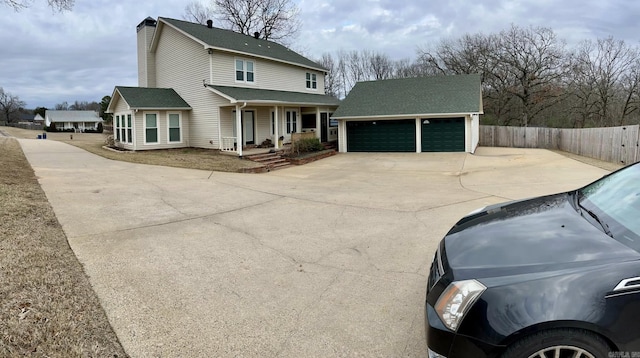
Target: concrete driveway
323 260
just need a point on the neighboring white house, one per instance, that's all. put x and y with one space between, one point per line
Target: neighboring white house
200 86
78 121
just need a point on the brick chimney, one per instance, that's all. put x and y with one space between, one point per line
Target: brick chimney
146 59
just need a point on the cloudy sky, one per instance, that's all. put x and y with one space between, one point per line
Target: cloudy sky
48 58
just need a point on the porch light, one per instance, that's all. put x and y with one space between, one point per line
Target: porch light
426 121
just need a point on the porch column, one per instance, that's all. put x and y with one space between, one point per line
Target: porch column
276 130
239 130
318 124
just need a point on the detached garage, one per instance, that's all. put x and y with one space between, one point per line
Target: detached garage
428 114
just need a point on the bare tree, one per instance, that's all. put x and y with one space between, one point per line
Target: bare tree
275 20
332 80
475 54
197 12
58 5
381 66
534 61
405 68
64 106
10 105
604 82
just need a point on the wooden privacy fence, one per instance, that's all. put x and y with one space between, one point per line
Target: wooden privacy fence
612 144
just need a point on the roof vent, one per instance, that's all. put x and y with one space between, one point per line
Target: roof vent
256 35
210 24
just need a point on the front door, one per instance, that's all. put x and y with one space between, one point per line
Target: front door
248 127
324 124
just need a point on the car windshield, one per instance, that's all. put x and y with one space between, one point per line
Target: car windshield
615 200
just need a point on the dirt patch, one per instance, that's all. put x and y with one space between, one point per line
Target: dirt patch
47 306
192 158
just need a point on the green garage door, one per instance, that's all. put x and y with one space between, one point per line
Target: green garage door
381 136
443 135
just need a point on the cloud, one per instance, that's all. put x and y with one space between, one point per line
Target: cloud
50 57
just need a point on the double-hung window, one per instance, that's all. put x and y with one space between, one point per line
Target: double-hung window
151 128
117 129
173 120
245 71
129 134
312 82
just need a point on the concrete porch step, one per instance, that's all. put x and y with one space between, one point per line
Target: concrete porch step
271 161
329 145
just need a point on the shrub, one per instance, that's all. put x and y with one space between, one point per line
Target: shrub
307 145
52 128
110 141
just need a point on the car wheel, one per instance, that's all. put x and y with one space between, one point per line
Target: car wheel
559 343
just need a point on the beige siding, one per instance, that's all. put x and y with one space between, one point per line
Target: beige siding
146 60
268 74
182 64
163 130
263 125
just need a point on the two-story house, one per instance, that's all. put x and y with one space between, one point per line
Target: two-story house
201 86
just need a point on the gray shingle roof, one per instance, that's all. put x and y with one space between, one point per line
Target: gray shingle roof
413 96
72 116
237 42
152 98
242 94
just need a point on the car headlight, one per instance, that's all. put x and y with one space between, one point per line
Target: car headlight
456 300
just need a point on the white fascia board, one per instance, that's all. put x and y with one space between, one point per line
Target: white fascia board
223 95
161 108
113 96
408 116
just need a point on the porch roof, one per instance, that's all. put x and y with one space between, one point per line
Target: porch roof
262 96
149 98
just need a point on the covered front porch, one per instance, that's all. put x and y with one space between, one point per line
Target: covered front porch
266 118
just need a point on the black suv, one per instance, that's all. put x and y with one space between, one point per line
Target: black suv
555 276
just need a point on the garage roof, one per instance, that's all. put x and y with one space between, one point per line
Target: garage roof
421 96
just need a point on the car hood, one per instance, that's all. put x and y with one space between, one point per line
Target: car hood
535 235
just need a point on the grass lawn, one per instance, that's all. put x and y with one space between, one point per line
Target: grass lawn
194 158
47 306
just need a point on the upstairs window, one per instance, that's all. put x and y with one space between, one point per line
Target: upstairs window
311 81
244 71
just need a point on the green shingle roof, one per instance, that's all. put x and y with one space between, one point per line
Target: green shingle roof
237 42
413 96
243 94
152 98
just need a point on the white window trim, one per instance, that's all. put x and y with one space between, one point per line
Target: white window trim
116 127
311 81
129 118
294 123
144 122
169 127
244 70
